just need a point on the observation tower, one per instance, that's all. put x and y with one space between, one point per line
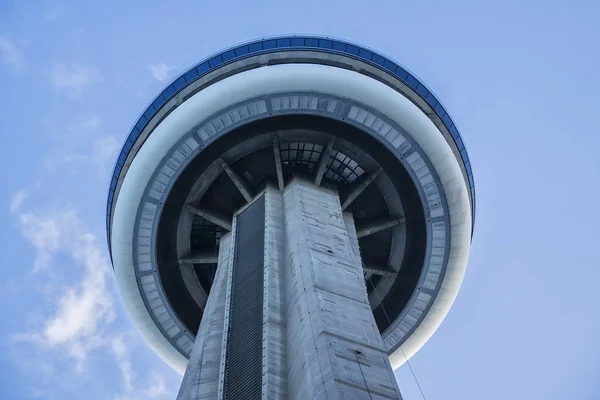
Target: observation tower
291 219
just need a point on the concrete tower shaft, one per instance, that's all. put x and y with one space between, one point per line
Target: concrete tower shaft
289 316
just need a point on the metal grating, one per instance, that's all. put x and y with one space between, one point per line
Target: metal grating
340 167
243 368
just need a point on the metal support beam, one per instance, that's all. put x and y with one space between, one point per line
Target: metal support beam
378 270
200 258
278 164
377 226
360 188
323 161
212 217
238 181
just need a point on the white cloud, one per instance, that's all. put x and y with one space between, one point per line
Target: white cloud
160 72
157 388
85 308
122 357
73 78
17 199
10 53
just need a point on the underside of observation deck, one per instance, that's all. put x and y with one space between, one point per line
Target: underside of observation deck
372 186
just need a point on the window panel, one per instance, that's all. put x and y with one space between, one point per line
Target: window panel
179 83
168 92
326 44
365 54
269 44
191 75
339 46
297 42
213 62
240 51
412 81
283 42
312 42
228 55
352 49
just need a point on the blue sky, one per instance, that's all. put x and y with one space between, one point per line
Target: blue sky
520 79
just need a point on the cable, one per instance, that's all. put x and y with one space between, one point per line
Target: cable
406 358
356 352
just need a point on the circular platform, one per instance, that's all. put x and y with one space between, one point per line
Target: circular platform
262 113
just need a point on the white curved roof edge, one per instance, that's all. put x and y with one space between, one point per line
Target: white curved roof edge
273 79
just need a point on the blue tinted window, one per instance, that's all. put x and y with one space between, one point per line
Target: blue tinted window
422 90
468 168
463 153
122 158
283 42
179 83
202 68
110 195
339 46
269 44
213 62
168 92
326 44
149 112
352 49
127 145
158 102
401 73
439 110
454 132
240 51
472 184
113 182
377 59
447 120
412 81
228 55
254 47
191 75
297 42
141 123
460 144
365 54
390 66
430 98
311 42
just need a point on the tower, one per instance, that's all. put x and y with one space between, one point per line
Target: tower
291 218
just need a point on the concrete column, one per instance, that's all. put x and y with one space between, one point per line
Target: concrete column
201 379
334 349
274 349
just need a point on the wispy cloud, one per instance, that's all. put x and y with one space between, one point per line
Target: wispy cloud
160 72
84 307
17 199
11 53
73 79
121 353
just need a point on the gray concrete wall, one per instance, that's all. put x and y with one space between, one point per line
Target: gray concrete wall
274 348
334 348
201 379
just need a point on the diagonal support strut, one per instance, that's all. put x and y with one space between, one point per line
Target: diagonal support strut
238 181
377 226
210 216
360 188
278 164
323 161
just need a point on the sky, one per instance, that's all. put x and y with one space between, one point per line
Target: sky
520 79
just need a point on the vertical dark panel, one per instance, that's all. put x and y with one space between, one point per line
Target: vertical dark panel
243 369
